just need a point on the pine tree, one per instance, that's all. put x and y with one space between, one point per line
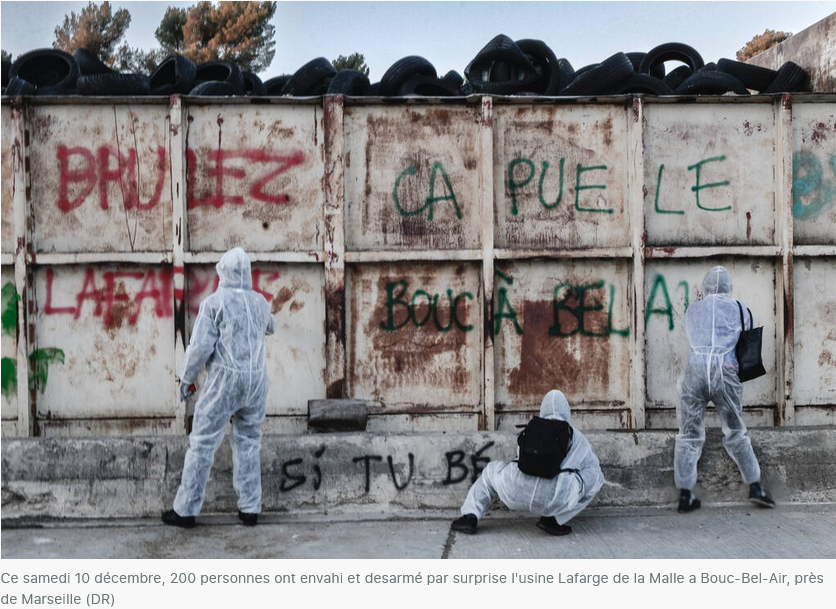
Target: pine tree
760 43
96 28
355 61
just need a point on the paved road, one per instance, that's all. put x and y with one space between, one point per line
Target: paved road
728 531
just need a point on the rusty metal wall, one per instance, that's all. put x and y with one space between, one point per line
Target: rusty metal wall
448 260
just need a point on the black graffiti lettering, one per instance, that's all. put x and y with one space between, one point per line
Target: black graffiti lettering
318 472
477 459
367 459
454 460
288 476
400 487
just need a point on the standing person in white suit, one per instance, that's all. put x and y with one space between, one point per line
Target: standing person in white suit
228 338
713 327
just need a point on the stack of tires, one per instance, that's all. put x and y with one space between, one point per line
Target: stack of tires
501 67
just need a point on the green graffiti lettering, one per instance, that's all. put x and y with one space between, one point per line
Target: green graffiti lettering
9 377
610 329
391 301
40 360
430 306
807 181
685 289
513 185
503 305
579 188
698 187
432 199
10 299
459 324
577 311
656 201
545 168
409 171
659 284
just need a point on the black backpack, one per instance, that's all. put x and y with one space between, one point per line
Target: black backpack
544 444
748 350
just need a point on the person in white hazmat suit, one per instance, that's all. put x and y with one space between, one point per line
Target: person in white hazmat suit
228 338
556 500
713 327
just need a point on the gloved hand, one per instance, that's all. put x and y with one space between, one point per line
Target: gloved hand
186 390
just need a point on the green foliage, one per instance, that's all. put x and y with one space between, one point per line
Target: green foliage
96 29
760 43
355 61
6 56
136 60
235 31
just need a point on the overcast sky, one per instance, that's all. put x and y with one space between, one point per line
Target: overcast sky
449 34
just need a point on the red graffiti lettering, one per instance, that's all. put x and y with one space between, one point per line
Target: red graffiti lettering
98 170
69 176
112 298
281 162
269 276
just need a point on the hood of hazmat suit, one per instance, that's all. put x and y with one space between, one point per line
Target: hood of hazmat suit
228 339
562 497
713 327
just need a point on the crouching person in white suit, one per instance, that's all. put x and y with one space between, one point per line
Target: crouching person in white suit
556 500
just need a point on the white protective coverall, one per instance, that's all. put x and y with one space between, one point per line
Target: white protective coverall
713 327
228 338
562 497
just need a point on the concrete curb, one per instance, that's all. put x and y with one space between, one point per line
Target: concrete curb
138 477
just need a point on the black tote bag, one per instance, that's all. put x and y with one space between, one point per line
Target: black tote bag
748 350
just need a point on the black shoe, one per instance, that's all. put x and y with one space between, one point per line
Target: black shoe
174 519
550 526
760 496
687 502
465 524
249 520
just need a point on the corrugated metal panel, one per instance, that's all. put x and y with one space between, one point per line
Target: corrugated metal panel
296 352
815 331
106 337
254 176
7 185
709 175
412 177
560 176
562 325
101 178
814 174
414 336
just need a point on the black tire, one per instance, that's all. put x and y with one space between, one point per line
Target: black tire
223 71
113 83
602 79
752 76
175 74
427 86
18 86
47 68
88 63
644 83
500 48
677 76
709 67
453 79
214 87
567 73
542 57
252 84
711 83
402 70
374 89
349 82
309 77
274 86
322 87
790 78
501 67
636 59
7 70
671 51
585 69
